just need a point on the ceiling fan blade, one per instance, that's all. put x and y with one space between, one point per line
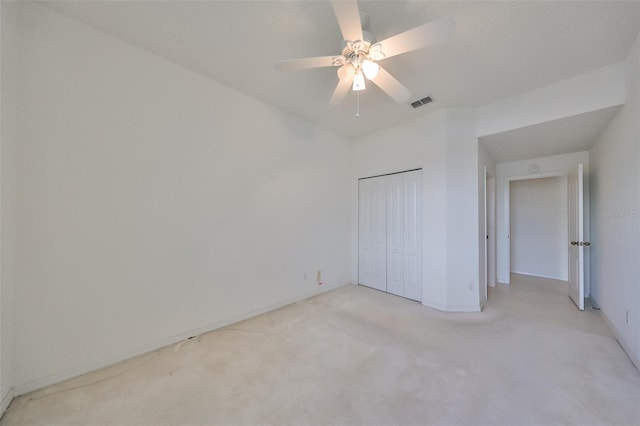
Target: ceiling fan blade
340 93
348 18
433 32
391 86
306 63
345 79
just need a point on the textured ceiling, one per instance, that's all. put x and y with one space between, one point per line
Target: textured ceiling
499 49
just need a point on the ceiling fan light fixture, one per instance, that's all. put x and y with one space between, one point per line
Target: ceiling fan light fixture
345 72
370 69
360 52
358 81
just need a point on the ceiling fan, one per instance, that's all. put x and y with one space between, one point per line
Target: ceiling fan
361 53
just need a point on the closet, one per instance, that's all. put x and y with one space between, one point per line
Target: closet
390 233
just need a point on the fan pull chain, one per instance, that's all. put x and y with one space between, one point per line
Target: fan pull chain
358 104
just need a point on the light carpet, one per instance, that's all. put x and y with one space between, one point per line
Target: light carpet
356 356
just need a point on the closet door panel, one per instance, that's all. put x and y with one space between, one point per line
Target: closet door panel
395 243
413 235
379 228
365 233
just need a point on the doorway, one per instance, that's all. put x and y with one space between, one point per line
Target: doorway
577 218
539 227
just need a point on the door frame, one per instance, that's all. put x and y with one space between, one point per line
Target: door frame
489 231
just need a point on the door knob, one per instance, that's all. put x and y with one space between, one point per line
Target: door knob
574 243
586 243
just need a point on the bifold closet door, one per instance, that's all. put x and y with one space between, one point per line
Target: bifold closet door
372 266
390 233
412 288
395 234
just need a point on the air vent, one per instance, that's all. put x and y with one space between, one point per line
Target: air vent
421 102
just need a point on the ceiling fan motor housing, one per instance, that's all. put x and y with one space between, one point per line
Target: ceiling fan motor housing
366 35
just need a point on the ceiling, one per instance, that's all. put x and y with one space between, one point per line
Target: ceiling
500 49
572 134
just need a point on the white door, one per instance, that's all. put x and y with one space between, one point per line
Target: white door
372 233
390 233
576 237
395 240
365 232
379 227
412 266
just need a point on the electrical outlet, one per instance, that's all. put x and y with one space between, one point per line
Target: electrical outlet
627 317
319 277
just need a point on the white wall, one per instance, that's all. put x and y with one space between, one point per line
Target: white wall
444 145
155 203
615 215
463 275
591 91
539 227
9 70
557 165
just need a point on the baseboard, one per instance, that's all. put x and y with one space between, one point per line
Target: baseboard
592 303
433 305
634 359
448 308
40 383
528 274
463 309
6 400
